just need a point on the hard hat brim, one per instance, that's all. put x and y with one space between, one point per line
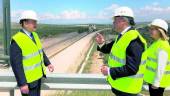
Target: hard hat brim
150 25
161 30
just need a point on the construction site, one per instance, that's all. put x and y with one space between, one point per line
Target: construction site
73 52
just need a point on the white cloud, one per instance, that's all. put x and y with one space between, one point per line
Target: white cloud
112 7
155 8
73 14
106 13
15 15
145 13
67 14
152 11
48 16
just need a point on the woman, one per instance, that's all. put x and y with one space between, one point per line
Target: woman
157 73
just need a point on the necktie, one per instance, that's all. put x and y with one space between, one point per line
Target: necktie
32 37
119 37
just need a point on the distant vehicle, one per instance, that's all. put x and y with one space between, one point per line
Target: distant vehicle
92 28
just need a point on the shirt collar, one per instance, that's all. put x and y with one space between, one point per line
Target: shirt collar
125 30
27 33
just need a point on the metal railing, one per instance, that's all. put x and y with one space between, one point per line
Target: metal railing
4 59
59 82
96 82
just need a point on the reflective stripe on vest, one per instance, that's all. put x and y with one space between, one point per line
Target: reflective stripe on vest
168 63
167 72
154 70
143 62
123 61
26 68
32 55
117 59
152 59
136 76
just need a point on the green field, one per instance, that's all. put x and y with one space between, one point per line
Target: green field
46 30
49 30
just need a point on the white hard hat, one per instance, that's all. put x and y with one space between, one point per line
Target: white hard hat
160 23
124 11
29 14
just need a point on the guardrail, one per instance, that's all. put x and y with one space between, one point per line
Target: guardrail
4 59
59 82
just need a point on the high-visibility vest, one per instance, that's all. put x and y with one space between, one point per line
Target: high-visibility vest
32 56
129 84
152 63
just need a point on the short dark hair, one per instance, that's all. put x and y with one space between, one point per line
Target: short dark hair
131 21
22 22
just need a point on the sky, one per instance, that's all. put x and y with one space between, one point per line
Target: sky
89 11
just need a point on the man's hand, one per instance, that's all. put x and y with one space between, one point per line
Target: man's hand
24 89
104 70
50 67
100 38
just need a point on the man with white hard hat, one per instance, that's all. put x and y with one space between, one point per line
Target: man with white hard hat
27 57
126 62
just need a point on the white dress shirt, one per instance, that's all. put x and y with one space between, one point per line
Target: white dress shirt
162 62
27 33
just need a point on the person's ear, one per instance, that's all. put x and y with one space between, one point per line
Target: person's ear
25 23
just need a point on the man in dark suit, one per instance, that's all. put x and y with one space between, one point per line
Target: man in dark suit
129 64
28 75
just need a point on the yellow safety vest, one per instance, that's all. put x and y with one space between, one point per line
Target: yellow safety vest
152 63
130 84
32 56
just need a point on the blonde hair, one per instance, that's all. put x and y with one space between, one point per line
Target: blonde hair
163 34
